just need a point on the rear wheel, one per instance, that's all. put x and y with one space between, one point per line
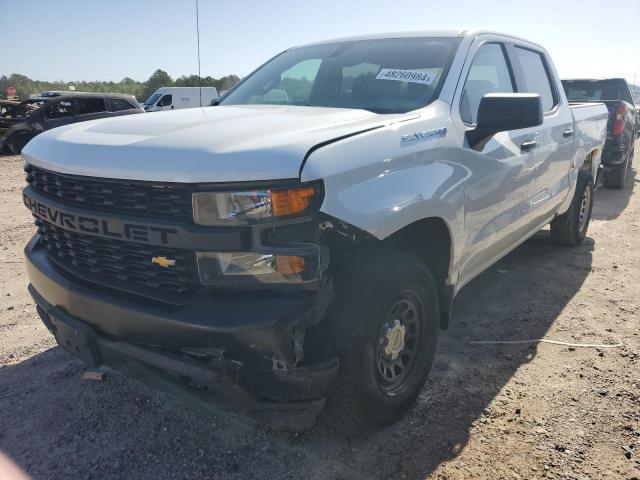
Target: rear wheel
384 321
571 227
614 178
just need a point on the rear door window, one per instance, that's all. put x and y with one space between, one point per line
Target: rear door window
91 105
119 104
536 77
489 73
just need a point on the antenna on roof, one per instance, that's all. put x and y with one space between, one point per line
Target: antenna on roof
198 35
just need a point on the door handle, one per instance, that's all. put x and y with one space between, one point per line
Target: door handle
568 132
528 145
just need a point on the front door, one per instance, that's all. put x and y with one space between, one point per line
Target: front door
501 173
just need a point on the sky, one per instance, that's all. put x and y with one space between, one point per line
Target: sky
112 39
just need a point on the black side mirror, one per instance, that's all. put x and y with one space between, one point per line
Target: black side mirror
502 112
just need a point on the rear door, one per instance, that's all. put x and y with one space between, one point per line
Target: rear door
501 174
555 137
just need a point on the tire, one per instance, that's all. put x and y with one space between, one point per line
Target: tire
614 178
386 306
17 142
571 227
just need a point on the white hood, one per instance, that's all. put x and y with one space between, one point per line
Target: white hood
214 144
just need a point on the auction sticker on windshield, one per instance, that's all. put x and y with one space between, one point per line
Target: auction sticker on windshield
413 76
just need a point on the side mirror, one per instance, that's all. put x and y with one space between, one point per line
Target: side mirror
502 112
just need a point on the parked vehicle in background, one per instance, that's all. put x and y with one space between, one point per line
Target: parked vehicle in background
623 127
306 237
171 98
21 123
5 105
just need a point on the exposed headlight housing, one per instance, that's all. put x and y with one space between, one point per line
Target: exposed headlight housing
294 266
255 206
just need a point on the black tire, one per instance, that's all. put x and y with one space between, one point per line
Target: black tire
571 227
17 142
614 178
372 290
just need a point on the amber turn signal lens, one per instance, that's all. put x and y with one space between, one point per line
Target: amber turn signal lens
286 265
291 201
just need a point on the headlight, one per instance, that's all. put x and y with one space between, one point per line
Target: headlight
255 206
301 265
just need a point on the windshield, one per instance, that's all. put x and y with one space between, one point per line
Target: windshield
596 90
152 99
383 76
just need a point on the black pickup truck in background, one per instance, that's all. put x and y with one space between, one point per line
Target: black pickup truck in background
623 127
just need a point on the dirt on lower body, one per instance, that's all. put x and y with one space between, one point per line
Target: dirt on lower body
527 410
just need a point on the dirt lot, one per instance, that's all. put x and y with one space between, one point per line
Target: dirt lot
488 411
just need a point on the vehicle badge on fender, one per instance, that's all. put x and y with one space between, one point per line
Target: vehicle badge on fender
424 135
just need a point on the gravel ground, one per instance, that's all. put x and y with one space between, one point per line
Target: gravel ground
488 411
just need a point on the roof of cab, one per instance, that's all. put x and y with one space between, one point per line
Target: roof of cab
420 33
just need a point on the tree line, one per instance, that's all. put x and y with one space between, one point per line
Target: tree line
141 90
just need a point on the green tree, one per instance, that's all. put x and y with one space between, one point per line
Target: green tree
158 79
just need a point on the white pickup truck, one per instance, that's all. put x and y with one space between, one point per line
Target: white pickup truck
304 239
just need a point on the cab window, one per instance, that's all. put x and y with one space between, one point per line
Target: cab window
536 77
165 101
489 73
91 105
119 104
60 109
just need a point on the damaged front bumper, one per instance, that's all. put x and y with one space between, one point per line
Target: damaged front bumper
247 353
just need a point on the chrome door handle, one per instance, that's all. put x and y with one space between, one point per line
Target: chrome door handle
528 145
568 132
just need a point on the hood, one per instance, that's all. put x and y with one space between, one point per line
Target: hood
214 144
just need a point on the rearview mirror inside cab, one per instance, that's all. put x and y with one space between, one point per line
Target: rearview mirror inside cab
501 112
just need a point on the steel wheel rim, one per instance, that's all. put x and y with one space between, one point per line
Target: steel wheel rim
398 342
583 215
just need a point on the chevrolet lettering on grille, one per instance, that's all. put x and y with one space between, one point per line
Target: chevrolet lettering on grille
98 226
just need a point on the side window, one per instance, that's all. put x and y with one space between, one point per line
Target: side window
118 104
536 78
489 73
293 87
91 105
165 101
60 109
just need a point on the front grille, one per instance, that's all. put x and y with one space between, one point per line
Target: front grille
150 199
121 264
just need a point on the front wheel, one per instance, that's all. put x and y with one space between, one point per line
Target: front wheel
571 227
384 323
17 142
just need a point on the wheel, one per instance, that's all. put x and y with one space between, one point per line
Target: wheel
384 322
17 142
571 227
614 178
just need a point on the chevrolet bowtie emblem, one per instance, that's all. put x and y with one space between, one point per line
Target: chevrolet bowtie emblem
163 261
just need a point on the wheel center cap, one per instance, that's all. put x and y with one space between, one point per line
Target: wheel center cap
394 339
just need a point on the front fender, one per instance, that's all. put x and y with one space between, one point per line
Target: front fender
380 185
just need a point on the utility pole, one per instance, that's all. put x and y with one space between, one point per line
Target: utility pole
198 35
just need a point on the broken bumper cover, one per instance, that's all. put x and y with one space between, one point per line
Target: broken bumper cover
234 351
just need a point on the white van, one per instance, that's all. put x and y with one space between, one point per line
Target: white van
169 98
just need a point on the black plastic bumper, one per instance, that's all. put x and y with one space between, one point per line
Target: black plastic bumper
239 351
